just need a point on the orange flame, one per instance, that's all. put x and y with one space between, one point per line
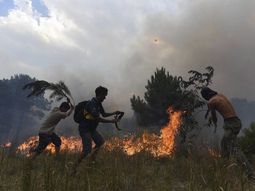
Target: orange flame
157 145
70 144
162 145
214 153
6 145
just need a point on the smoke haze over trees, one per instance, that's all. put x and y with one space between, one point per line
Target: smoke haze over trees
18 114
245 110
20 117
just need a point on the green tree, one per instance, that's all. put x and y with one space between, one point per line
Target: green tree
18 114
164 90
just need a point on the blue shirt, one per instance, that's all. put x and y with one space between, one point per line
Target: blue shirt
95 108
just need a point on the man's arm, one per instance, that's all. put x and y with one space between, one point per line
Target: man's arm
110 114
66 114
211 107
70 110
214 117
102 120
207 113
104 114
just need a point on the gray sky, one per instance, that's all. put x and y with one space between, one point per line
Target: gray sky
112 43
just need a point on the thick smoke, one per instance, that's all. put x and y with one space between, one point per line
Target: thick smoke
199 34
203 33
119 45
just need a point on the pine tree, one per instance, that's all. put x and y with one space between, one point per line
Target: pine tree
164 90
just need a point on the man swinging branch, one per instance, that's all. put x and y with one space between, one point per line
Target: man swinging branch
46 131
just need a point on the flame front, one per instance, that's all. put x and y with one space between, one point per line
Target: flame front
157 145
69 144
162 145
6 145
168 133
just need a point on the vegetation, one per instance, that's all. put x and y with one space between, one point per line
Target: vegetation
59 90
190 170
16 111
247 140
116 171
164 90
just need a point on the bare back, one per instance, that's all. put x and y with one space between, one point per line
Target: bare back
221 104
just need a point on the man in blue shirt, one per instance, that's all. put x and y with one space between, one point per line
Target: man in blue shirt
87 126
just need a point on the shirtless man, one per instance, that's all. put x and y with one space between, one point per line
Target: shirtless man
232 126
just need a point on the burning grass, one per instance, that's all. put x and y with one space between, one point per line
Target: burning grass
157 145
69 144
115 170
148 162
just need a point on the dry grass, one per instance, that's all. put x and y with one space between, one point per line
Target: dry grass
116 171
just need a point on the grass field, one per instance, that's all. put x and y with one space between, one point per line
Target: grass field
117 171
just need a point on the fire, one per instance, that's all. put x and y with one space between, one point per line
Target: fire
6 145
157 145
162 145
168 133
214 153
69 144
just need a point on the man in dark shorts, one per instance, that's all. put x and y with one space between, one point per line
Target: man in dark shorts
87 127
46 131
232 126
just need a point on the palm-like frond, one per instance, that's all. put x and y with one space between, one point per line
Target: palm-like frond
57 93
64 87
38 87
59 90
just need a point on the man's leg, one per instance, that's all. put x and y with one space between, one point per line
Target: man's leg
99 141
55 139
234 150
86 147
44 140
86 143
226 144
241 158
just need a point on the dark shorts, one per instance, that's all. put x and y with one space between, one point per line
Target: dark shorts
45 140
232 125
87 137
